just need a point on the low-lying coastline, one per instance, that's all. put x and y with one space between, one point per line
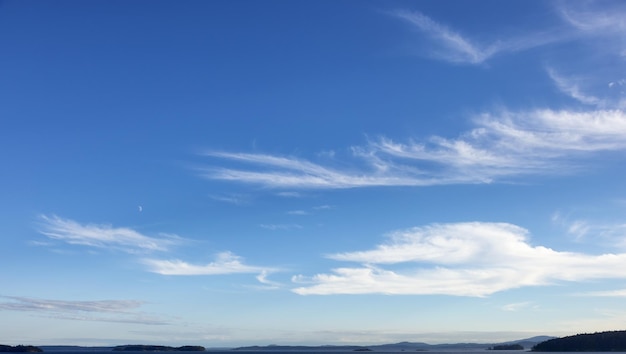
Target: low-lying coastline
609 341
158 348
19 349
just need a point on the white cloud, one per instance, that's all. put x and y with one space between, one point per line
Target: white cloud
268 284
451 46
225 263
103 236
502 145
131 241
462 259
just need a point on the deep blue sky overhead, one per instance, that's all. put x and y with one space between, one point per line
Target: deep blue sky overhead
302 172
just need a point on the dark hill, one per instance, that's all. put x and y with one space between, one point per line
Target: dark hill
613 341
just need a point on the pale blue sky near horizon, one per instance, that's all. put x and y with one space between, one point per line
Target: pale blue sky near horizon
230 173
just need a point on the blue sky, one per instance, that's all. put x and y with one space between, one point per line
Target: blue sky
228 173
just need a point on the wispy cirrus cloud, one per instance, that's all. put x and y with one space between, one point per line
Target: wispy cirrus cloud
103 236
275 227
580 88
291 194
572 87
600 232
288 172
235 199
31 304
502 145
462 259
592 19
518 306
583 21
450 45
131 241
120 311
298 212
225 263
608 293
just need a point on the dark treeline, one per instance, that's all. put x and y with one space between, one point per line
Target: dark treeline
19 349
612 341
507 347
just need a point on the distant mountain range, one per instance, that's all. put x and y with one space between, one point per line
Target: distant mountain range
527 343
600 341
398 347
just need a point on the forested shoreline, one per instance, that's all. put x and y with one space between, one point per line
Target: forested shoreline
612 341
19 349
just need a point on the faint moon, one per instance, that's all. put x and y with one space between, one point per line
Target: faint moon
140 208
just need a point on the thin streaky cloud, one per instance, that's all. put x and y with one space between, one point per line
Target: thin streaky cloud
463 259
517 306
458 48
595 20
451 46
225 263
607 293
235 199
298 212
289 194
19 303
280 226
579 88
289 172
503 145
610 234
579 22
578 228
138 319
115 311
40 243
103 236
270 160
327 179
572 88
